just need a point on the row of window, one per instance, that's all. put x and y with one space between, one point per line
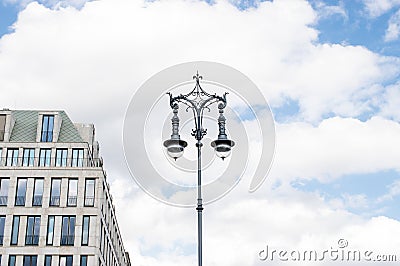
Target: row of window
31 260
113 238
45 159
55 192
108 253
46 133
32 232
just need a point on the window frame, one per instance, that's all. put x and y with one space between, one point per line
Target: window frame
77 157
68 238
13 153
34 241
18 202
68 258
72 199
3 121
45 159
85 228
92 198
50 236
52 197
15 230
32 260
28 157
2 217
83 257
12 260
4 194
35 197
61 157
46 134
46 260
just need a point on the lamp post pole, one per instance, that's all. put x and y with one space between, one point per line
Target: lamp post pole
199 205
198 100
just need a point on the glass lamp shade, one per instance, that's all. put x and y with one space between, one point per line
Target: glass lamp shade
175 147
222 147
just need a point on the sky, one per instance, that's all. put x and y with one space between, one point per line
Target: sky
330 71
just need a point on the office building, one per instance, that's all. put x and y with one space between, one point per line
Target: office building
55 203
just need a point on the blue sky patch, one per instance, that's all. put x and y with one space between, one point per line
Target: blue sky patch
373 187
8 15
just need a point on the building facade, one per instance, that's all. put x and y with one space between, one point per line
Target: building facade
55 203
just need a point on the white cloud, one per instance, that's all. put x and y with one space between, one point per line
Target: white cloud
393 30
335 79
240 225
394 190
336 147
326 11
376 8
94 53
390 102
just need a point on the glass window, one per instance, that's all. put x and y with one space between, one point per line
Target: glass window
4 184
68 230
85 230
65 260
21 192
47 260
47 128
50 230
12 157
32 230
11 260
2 126
61 157
84 259
55 192
2 223
15 231
38 192
44 157
72 192
101 237
30 260
89 191
77 158
28 158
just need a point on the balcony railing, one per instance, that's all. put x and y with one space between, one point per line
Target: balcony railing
31 240
54 201
3 200
89 201
67 240
72 201
20 201
37 201
50 162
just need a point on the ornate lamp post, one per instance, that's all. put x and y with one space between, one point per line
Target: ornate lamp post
198 100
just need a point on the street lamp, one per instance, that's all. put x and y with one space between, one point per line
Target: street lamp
198 100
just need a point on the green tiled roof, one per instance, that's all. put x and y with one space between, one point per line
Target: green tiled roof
26 123
25 126
68 132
